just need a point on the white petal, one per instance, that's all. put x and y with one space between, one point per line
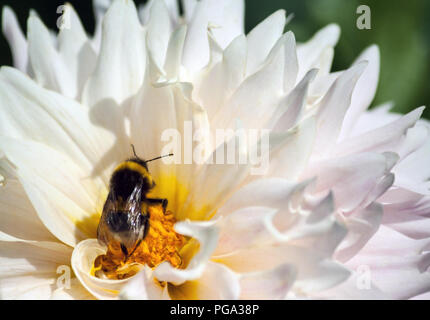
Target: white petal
262 38
353 289
332 108
158 111
291 157
268 285
242 228
314 272
18 219
407 216
361 225
291 64
365 89
217 282
100 7
66 200
225 18
29 270
413 172
158 34
83 258
49 69
385 138
398 264
365 169
68 128
174 53
121 63
171 5
250 104
143 287
203 201
206 233
223 78
272 193
75 49
75 292
16 39
310 52
291 107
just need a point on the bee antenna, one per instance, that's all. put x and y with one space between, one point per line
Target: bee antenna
167 155
134 150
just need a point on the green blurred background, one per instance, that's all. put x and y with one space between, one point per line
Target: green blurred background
400 28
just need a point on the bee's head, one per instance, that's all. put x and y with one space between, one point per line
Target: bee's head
148 183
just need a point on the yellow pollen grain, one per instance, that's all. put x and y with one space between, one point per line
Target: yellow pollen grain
161 244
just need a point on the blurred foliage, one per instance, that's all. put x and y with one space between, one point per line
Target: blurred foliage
400 28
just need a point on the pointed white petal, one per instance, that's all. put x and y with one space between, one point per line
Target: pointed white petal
16 39
75 49
158 34
49 69
272 193
291 157
262 38
121 64
365 89
223 78
291 107
225 18
310 53
253 106
365 169
174 53
362 225
333 107
385 138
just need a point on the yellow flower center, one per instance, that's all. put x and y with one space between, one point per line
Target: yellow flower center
161 244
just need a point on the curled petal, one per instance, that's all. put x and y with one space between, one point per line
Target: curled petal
83 258
206 233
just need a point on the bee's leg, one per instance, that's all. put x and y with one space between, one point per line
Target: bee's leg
163 202
125 251
137 245
146 224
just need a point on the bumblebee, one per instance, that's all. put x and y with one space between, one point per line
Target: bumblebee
125 217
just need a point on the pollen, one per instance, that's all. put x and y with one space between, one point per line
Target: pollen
161 244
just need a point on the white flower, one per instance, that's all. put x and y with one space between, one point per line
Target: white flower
345 187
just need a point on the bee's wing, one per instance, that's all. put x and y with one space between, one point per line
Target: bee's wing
111 205
136 221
